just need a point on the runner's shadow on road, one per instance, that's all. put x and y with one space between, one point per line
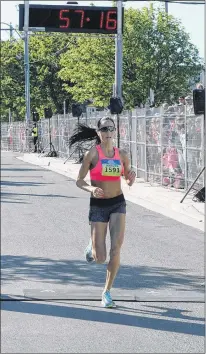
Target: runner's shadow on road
103 316
79 273
164 312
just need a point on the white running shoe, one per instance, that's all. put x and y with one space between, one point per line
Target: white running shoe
88 252
107 300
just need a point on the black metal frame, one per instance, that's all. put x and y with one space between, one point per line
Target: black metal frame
189 189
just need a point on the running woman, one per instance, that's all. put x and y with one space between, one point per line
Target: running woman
106 164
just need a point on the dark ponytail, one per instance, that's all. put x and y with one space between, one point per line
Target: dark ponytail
83 133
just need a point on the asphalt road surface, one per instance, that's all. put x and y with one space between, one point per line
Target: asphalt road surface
43 235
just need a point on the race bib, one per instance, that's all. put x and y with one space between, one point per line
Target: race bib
111 168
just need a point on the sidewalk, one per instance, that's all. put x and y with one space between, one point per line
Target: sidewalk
155 198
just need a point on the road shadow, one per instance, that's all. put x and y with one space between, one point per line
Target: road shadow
105 316
80 273
162 310
24 169
23 184
14 197
12 202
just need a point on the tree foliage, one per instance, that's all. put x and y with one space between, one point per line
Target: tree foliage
12 80
46 87
157 54
90 66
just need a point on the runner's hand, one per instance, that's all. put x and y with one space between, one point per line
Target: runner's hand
131 178
98 193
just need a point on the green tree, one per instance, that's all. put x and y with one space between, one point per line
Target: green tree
157 54
12 81
46 87
45 54
89 65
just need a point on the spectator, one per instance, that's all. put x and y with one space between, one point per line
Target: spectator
189 105
170 109
181 105
180 141
35 136
182 100
165 107
10 138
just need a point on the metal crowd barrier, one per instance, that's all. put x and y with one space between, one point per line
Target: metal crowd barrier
165 148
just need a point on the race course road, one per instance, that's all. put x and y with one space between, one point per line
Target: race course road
44 232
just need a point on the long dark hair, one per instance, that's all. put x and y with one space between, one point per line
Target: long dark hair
83 133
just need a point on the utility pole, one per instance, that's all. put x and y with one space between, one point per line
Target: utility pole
64 109
166 6
10 31
10 117
26 59
118 61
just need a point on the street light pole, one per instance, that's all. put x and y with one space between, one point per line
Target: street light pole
26 59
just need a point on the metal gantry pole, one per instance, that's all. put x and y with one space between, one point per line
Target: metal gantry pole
10 119
10 31
166 6
26 59
118 53
118 61
64 109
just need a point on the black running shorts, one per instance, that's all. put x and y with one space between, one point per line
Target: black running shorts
101 209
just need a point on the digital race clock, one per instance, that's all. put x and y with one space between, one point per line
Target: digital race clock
85 19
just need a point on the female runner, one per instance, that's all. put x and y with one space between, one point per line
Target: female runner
106 164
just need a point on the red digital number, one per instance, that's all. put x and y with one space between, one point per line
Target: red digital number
62 18
111 23
101 19
82 17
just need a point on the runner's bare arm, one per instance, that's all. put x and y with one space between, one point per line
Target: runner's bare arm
128 173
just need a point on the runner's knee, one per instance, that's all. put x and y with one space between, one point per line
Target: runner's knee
115 251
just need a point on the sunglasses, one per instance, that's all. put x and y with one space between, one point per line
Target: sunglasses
107 129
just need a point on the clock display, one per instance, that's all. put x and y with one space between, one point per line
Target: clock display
83 19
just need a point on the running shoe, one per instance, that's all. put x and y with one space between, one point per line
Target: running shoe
88 252
107 300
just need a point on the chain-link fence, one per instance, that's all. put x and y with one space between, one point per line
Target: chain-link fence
169 148
16 137
165 147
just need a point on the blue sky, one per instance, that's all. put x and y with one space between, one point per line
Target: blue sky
191 16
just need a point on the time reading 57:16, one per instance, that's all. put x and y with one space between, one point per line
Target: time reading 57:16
106 19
